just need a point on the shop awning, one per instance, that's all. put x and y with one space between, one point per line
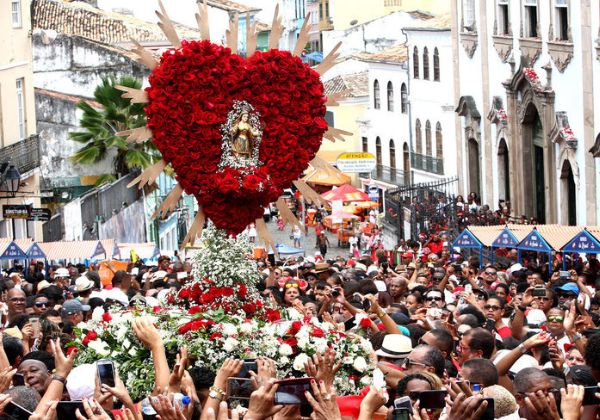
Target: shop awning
144 251
74 250
322 176
466 239
346 193
12 251
534 241
557 236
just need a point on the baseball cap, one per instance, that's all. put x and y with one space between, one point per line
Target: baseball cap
360 266
72 306
61 272
570 287
515 267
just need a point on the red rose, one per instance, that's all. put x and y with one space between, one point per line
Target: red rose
249 308
228 184
90 336
292 342
242 290
194 310
106 317
273 315
365 323
318 332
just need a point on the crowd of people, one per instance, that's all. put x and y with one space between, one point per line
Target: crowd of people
451 340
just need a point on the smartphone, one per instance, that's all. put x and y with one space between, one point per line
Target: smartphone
16 412
488 414
106 372
239 390
564 274
366 304
434 313
589 395
432 400
468 288
538 292
249 366
35 324
18 380
182 275
403 403
65 410
378 379
292 391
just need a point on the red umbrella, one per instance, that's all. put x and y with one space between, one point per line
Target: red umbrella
345 193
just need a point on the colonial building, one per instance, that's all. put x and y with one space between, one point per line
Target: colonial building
19 143
528 110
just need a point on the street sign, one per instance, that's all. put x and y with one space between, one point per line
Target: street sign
16 211
40 215
374 192
356 162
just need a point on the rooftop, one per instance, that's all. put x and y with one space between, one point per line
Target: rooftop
394 54
82 19
356 83
68 98
231 6
440 23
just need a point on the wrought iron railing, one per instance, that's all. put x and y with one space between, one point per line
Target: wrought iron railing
24 154
427 163
390 175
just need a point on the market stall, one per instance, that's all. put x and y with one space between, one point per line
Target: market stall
583 243
74 251
466 240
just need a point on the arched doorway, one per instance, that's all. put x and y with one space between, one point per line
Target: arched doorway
503 171
406 162
568 194
533 163
474 167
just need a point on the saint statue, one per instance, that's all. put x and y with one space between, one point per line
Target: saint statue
243 135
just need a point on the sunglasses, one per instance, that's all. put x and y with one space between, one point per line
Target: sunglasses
407 363
433 298
492 307
490 273
555 319
290 285
40 304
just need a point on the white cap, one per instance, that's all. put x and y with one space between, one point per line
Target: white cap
515 267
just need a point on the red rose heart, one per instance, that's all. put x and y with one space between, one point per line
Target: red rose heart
191 93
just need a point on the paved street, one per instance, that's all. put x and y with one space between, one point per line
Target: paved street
308 242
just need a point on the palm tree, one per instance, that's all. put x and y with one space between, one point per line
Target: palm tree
100 125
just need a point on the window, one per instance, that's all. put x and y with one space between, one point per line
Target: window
562 20
16 13
425 64
365 144
378 150
503 18
377 102
392 154
326 8
428 150
390 97
320 11
419 147
468 15
20 109
403 99
416 63
530 19
439 141
436 65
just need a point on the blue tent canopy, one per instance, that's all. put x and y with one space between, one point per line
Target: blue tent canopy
466 240
13 252
35 252
506 239
534 242
288 250
583 242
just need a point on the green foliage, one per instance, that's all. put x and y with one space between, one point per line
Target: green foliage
98 128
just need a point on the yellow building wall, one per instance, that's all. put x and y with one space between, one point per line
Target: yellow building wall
344 118
15 63
435 7
345 11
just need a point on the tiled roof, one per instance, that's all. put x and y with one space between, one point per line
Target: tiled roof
439 22
81 19
356 83
67 98
231 6
394 54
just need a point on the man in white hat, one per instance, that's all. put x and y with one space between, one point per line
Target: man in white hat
394 349
84 287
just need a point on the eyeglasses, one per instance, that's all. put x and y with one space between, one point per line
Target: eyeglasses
407 363
490 273
15 299
40 304
555 319
492 307
433 298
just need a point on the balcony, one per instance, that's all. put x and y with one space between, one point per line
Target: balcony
427 163
386 174
24 155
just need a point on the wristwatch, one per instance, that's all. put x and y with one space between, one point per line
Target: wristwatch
216 393
576 337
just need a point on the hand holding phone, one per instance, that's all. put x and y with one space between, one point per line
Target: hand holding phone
106 372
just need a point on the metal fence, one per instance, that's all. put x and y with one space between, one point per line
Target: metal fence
423 207
53 228
427 163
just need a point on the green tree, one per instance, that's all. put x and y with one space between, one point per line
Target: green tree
98 128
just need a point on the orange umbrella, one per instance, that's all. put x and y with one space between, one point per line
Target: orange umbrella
345 193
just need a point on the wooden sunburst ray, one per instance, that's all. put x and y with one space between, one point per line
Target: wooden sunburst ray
303 36
202 20
195 229
137 96
166 25
149 175
136 135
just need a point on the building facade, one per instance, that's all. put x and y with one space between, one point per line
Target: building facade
528 110
19 143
